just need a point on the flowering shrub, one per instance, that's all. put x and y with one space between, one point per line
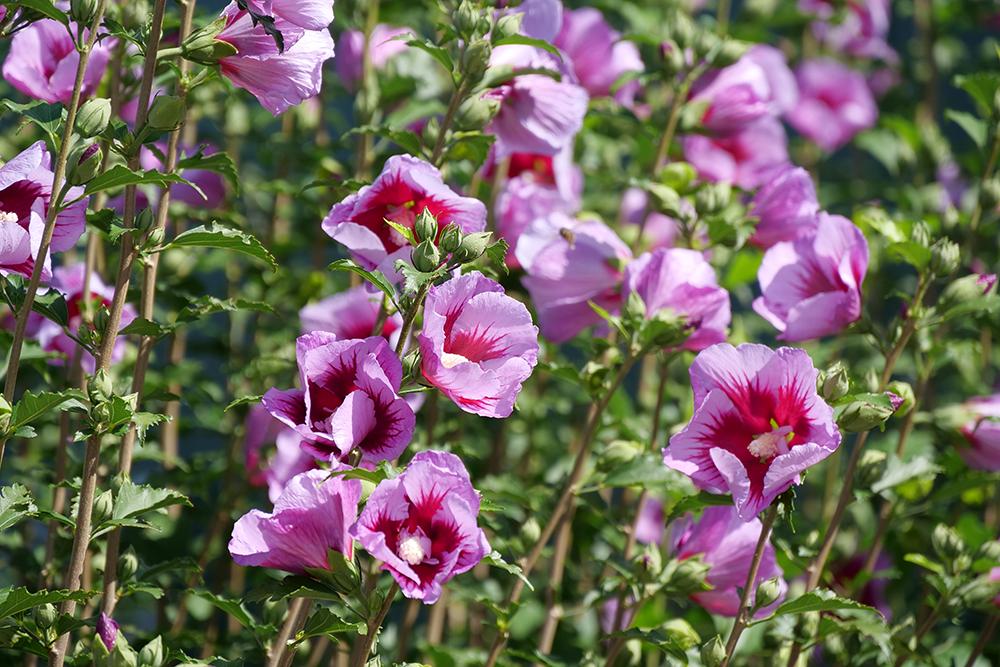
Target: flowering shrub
499 332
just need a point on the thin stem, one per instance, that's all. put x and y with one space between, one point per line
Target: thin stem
368 88
554 612
81 538
722 16
456 100
676 105
58 192
991 163
925 627
565 500
374 625
984 640
295 618
147 303
411 316
743 616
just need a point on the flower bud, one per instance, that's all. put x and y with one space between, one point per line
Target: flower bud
712 198
83 11
731 51
473 246
904 393
476 112
151 654
202 46
673 57
871 467
507 26
835 382
921 234
103 505
989 195
93 117
865 413
426 257
466 18
705 42
86 166
530 530
46 615
689 575
651 559
135 14
166 113
945 257
620 451
767 592
990 551
128 564
475 60
451 238
713 652
946 542
682 29
965 289
426 226
107 630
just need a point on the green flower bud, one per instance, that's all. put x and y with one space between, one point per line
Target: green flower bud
835 382
651 560
682 29
426 226
475 60
871 467
473 246
989 195
166 113
946 542
103 505
507 26
712 198
618 452
713 652
945 256
203 47
905 392
85 165
530 530
475 113
151 654
731 51
705 42
673 57
46 615
93 117
144 221
128 564
467 18
451 238
689 576
921 234
865 413
990 551
83 11
767 592
965 289
426 257
136 14
156 237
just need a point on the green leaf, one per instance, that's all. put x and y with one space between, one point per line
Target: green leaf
698 501
220 163
243 400
215 235
233 608
924 562
120 176
672 640
376 278
144 420
645 471
134 500
524 40
439 54
898 472
496 255
403 231
44 7
981 86
33 406
407 140
208 305
471 146
325 623
15 504
612 320
910 252
143 327
51 305
46 116
818 600
14 601
974 127
496 560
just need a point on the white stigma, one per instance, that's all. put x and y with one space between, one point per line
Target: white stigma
769 445
7 216
411 550
449 360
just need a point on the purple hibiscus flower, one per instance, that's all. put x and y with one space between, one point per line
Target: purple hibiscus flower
43 60
307 14
423 526
311 516
681 281
747 158
477 344
406 188
649 526
383 46
287 460
835 103
350 314
786 206
982 433
107 630
811 287
726 543
349 399
758 423
598 54
861 31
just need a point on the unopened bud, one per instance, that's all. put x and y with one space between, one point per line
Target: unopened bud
451 238
946 542
203 46
426 226
473 246
768 591
46 615
166 113
466 18
712 198
871 467
921 234
682 29
128 564
689 575
705 42
87 165
476 112
103 506
731 51
425 257
507 26
945 256
965 289
151 654
83 11
865 413
93 117
100 388
835 383
713 652
475 60
990 551
620 451
673 57
530 530
904 397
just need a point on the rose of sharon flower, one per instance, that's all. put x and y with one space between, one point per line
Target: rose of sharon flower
349 399
758 423
107 630
279 80
422 525
835 103
598 54
42 62
542 18
786 206
406 188
726 543
861 30
569 264
759 84
680 281
288 459
747 158
811 287
649 526
350 314
308 14
52 338
211 182
537 113
312 515
382 47
477 344
983 434
25 192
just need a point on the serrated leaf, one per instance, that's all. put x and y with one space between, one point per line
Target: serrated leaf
376 278
898 472
208 305
496 560
143 327
233 608
215 235
32 406
244 400
144 420
524 40
325 623
439 54
408 140
121 176
14 601
16 504
51 305
44 7
818 600
402 230
220 163
46 116
981 86
974 127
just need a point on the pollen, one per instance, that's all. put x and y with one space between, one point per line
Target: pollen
771 444
7 216
412 551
